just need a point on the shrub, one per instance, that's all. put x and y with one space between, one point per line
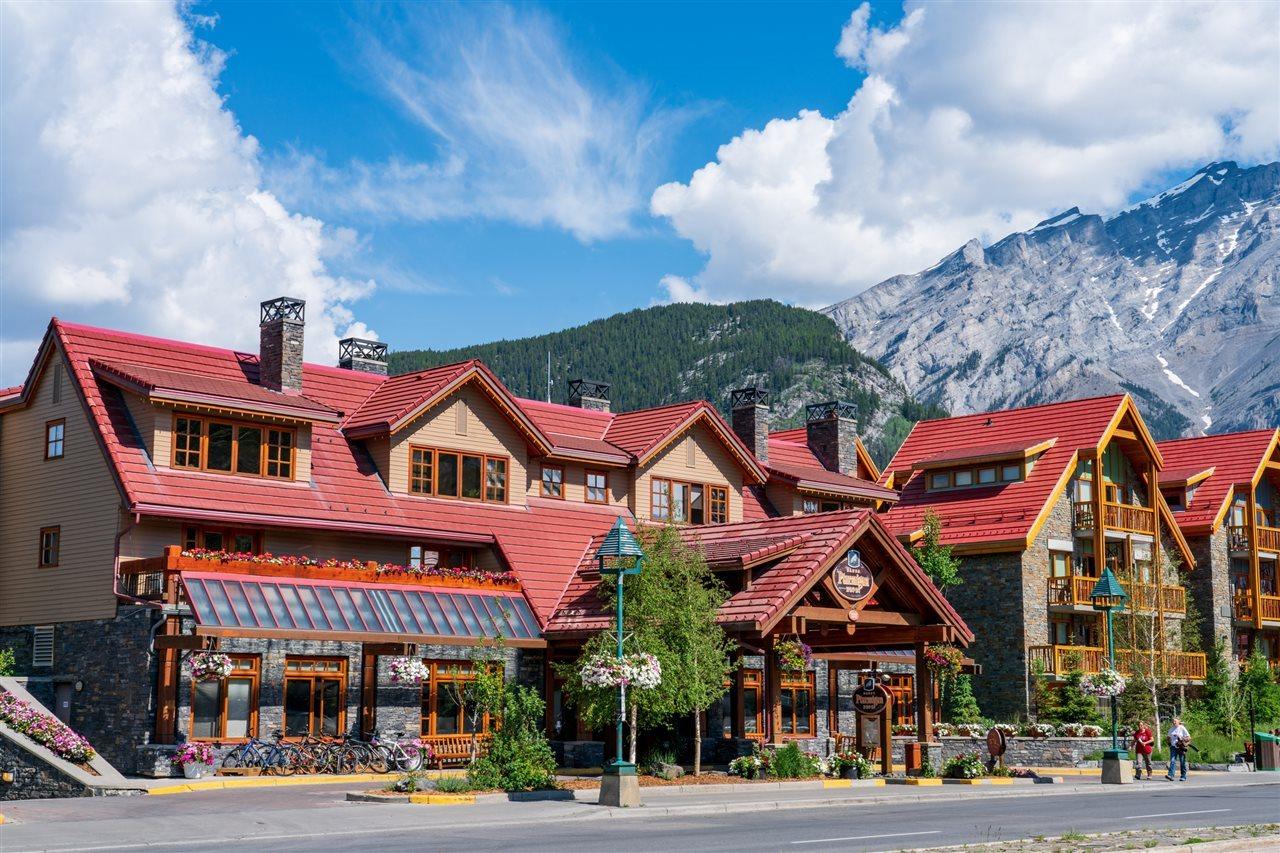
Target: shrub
453 785
967 766
8 665
958 702
746 766
409 783
519 759
790 762
656 758
1071 705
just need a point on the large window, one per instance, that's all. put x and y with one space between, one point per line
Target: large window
597 483
54 433
431 556
752 706
50 546
552 481
456 474
227 447
227 708
222 539
797 704
983 475
446 709
688 503
315 696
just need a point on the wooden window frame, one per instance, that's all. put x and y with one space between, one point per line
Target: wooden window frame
468 554
193 536
431 458
60 441
974 473
254 676
314 676
448 671
709 490
806 683
753 682
586 485
54 550
1054 552
711 494
542 481
265 455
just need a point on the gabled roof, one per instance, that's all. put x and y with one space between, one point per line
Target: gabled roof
173 386
822 539
792 462
1005 514
645 433
794 444
978 454
1237 458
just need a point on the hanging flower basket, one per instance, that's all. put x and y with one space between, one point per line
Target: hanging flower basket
1104 684
410 671
208 666
641 670
943 660
794 655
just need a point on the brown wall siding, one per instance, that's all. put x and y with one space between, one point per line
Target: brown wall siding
712 464
76 492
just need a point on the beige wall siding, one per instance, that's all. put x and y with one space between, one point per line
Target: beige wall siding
575 481
785 500
76 492
160 444
697 456
486 429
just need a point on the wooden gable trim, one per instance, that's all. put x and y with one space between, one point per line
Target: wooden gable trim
893 465
824 567
1171 527
864 458
1266 463
726 436
504 402
1143 435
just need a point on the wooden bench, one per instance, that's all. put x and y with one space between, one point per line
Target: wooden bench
455 749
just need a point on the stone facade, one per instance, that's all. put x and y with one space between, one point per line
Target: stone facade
34 779
1209 583
993 604
1030 752
834 440
280 353
751 424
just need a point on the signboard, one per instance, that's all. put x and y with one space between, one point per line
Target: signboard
870 699
996 742
852 579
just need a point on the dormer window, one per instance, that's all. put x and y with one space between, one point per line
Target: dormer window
230 447
989 475
454 474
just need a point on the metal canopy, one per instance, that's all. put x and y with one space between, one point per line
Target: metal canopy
253 606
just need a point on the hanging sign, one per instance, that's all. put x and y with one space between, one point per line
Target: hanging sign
852 579
871 699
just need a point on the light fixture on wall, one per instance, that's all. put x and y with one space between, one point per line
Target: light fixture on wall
6 777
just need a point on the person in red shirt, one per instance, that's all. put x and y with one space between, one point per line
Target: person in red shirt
1143 742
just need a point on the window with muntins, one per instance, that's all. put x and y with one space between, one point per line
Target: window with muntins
687 503
230 447
597 483
458 474
50 546
552 481
430 556
315 696
54 435
227 708
981 475
798 704
447 709
231 539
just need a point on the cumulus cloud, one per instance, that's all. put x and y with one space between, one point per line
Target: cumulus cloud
522 135
973 120
131 196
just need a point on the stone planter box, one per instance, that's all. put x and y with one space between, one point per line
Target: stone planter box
1030 752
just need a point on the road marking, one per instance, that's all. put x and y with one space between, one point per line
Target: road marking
865 837
1174 814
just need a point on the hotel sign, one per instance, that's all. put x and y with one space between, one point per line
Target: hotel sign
870 699
852 579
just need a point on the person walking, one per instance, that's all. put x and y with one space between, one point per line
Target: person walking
1143 742
1179 741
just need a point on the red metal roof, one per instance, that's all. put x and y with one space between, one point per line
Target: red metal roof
1234 457
791 460
821 539
208 390
999 450
999 513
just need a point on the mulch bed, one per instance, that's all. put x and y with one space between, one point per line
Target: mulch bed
656 782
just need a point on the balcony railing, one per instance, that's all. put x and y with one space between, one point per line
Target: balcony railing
1116 516
1268 538
1243 606
1074 592
1059 660
1271 608
1071 591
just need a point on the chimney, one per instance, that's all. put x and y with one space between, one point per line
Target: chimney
589 394
362 356
832 433
280 344
749 409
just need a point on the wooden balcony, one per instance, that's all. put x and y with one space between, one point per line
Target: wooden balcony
1178 666
1268 538
1271 608
1243 606
1074 592
1116 516
1071 591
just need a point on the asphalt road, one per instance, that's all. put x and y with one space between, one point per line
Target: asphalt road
320 822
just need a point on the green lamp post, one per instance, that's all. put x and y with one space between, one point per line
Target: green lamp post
1109 595
620 554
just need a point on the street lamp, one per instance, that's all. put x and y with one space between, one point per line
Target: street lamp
620 554
1108 595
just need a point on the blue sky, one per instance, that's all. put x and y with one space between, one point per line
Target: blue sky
443 174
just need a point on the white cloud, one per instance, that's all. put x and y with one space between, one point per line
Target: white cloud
522 134
976 119
131 196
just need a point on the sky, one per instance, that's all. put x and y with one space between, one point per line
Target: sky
435 175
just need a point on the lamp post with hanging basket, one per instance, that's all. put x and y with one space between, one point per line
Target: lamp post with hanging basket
620 554
1107 596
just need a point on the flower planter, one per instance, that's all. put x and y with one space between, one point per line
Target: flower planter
195 771
849 773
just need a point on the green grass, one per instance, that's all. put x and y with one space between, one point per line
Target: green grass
1072 835
1213 749
453 785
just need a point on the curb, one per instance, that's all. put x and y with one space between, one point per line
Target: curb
913 780
266 782
414 799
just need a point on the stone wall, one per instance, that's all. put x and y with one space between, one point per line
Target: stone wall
993 605
34 779
1029 752
1209 583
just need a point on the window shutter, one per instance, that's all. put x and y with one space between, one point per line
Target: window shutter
42 646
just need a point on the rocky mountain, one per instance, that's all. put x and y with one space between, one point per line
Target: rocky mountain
1173 299
670 353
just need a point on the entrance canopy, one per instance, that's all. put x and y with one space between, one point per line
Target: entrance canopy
239 605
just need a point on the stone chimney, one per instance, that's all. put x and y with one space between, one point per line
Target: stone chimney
280 344
749 410
589 394
832 433
362 356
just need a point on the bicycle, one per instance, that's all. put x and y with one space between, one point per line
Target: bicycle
277 757
404 756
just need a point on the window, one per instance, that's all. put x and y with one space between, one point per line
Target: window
42 645
902 687
1009 473
660 500
552 481
719 505
427 556
50 545
222 539
752 706
963 478
445 706
454 474
692 503
256 450
597 487
54 432
227 709
315 691
797 704
1059 564
810 506
939 481
986 475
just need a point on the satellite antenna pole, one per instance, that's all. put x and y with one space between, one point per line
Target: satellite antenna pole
548 376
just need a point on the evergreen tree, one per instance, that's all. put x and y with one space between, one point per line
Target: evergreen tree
1219 699
1135 703
1073 705
934 557
1260 693
958 702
